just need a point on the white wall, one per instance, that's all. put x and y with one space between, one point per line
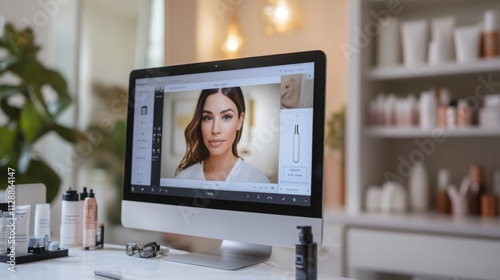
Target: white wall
196 30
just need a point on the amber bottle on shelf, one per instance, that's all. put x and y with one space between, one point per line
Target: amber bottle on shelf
476 190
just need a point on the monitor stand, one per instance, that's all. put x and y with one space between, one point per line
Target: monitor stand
230 255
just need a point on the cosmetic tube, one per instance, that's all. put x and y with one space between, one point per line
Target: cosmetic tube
467 43
89 221
42 219
442 40
3 234
22 226
389 44
490 37
296 144
415 42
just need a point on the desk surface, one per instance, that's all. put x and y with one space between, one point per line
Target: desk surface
82 264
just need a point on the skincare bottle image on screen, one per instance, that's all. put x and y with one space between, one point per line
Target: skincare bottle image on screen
306 255
70 218
89 221
296 144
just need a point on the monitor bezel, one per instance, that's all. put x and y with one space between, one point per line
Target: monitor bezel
315 210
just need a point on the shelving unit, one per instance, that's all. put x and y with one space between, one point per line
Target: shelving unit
425 71
415 132
373 151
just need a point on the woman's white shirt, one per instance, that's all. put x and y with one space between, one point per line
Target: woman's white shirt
241 172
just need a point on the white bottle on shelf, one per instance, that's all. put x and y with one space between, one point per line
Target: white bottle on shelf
419 188
427 112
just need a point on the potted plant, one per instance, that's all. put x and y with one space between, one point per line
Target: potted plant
28 114
334 161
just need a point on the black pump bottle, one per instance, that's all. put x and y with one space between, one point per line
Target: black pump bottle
306 255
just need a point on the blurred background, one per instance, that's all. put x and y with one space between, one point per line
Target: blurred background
413 108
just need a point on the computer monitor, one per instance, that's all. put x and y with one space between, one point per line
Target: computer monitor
228 149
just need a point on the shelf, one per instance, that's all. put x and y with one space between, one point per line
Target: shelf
415 132
425 71
425 222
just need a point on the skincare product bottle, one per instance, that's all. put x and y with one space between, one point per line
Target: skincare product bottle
496 187
389 44
451 115
489 205
467 43
90 221
306 255
489 201
476 190
3 234
42 220
82 197
414 38
444 102
490 37
22 229
464 114
443 203
427 110
393 198
442 36
419 188
296 144
70 219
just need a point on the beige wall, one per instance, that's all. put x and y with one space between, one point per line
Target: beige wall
195 30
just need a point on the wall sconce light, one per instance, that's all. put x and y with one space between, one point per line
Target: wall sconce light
234 40
283 15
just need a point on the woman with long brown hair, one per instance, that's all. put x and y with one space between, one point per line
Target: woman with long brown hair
212 137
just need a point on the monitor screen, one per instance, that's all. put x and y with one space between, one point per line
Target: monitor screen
241 137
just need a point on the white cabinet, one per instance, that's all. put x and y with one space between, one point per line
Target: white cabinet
375 151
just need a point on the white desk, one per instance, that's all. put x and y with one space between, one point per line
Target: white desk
82 264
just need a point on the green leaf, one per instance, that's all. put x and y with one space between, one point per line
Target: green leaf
5 64
57 82
12 112
69 134
24 159
8 90
40 172
32 125
59 105
8 135
35 94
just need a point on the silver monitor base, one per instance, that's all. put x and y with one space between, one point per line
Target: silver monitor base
230 255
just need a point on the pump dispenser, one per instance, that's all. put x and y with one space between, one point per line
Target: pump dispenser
306 255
